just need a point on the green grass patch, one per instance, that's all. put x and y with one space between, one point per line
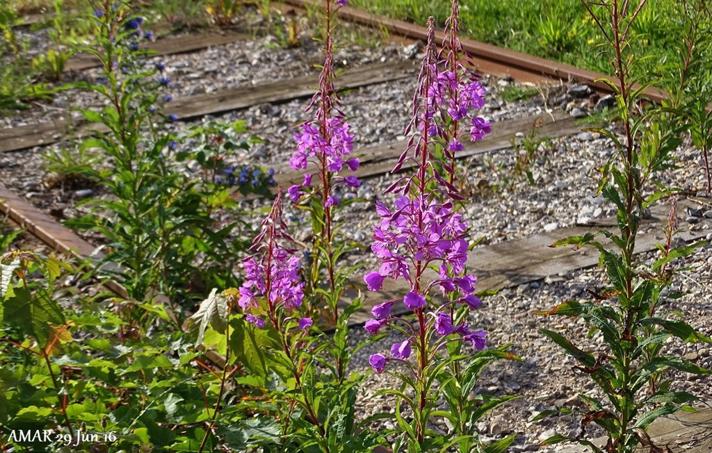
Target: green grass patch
557 29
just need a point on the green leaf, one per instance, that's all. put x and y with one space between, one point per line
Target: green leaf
35 314
580 355
248 345
679 329
501 445
555 439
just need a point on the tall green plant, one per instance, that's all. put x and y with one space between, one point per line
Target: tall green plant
632 369
158 222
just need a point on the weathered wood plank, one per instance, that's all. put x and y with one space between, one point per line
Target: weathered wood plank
167 46
285 90
43 134
680 432
52 233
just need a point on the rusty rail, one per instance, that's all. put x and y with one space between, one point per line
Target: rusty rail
488 58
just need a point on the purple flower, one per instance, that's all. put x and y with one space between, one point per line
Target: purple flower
353 164
331 200
372 326
382 310
160 66
307 180
167 98
172 117
342 2
294 192
149 35
305 323
478 339
401 350
480 128
352 181
413 300
455 145
472 300
443 324
374 281
258 322
164 81
98 13
172 145
377 362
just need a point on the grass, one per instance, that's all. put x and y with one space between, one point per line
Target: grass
556 29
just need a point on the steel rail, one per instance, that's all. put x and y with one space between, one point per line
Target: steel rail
488 58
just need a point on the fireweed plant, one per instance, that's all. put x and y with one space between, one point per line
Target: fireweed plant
631 368
312 407
423 240
326 143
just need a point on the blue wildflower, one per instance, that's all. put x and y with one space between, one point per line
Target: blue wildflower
172 117
160 66
134 23
149 35
133 46
167 98
172 145
164 81
244 175
98 13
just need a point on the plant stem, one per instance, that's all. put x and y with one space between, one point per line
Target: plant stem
221 392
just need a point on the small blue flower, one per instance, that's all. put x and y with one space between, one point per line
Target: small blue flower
160 66
102 80
133 46
244 175
164 81
98 13
152 109
172 145
229 170
167 98
149 35
134 23
172 117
